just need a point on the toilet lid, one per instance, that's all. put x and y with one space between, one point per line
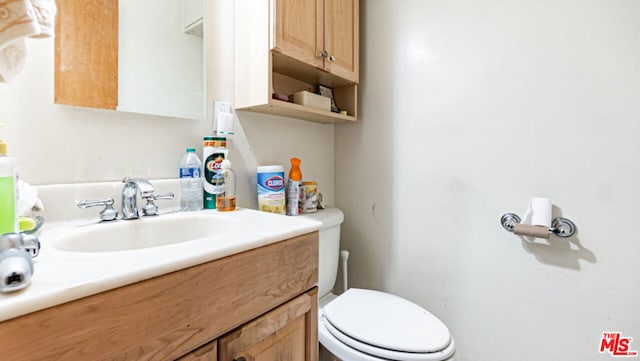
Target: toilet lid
386 321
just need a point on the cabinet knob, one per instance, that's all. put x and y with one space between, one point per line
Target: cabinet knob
241 358
324 54
332 58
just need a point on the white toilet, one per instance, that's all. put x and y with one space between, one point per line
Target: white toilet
367 325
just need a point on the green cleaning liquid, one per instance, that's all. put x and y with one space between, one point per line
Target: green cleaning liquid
7 205
8 216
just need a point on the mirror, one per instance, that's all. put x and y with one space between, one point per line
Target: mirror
141 56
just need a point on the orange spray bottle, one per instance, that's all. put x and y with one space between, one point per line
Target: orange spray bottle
294 194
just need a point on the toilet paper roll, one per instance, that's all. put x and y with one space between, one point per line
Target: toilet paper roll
541 211
531 230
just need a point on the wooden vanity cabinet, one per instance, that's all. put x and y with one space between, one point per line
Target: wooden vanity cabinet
288 333
258 303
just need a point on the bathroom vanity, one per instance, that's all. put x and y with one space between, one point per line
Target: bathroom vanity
255 301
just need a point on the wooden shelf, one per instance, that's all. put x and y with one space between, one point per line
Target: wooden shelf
292 110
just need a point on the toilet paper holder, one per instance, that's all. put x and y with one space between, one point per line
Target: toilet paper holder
561 227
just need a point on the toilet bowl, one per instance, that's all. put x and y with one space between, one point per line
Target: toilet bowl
368 325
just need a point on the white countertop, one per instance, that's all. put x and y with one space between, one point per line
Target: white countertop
63 276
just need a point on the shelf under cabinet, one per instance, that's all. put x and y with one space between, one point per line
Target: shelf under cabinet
292 110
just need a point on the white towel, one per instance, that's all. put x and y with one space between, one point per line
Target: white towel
45 14
28 199
20 19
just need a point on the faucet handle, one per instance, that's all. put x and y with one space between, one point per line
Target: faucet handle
28 242
108 213
150 209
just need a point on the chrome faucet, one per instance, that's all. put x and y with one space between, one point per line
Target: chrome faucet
134 186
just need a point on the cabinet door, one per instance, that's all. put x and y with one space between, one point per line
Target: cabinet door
341 24
298 30
208 352
86 54
287 333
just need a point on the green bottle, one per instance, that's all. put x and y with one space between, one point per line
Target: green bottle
8 218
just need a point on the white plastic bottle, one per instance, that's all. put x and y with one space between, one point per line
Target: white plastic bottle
190 181
8 203
226 200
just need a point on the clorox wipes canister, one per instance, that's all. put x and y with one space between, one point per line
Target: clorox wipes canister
271 197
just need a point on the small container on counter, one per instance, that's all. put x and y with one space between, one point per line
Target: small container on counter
226 200
271 196
213 153
309 197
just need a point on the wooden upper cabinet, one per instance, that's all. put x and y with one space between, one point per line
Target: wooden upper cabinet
321 33
298 30
341 38
310 43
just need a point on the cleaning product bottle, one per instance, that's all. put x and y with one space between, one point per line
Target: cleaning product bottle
213 153
226 201
8 204
190 181
294 185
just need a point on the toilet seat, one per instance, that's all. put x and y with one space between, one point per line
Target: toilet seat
371 325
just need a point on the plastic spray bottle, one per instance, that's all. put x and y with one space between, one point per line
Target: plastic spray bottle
294 188
226 201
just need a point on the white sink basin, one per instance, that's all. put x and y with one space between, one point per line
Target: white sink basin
80 257
142 233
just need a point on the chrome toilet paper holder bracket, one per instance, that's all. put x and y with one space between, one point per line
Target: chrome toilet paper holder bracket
561 227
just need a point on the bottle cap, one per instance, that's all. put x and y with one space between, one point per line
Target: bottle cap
270 168
191 150
3 145
295 174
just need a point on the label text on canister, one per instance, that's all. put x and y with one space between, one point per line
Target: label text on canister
275 183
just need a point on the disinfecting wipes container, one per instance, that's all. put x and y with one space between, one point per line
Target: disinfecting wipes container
271 196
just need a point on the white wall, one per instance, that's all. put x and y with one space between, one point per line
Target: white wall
469 109
62 144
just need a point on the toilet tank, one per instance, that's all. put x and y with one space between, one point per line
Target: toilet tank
329 246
